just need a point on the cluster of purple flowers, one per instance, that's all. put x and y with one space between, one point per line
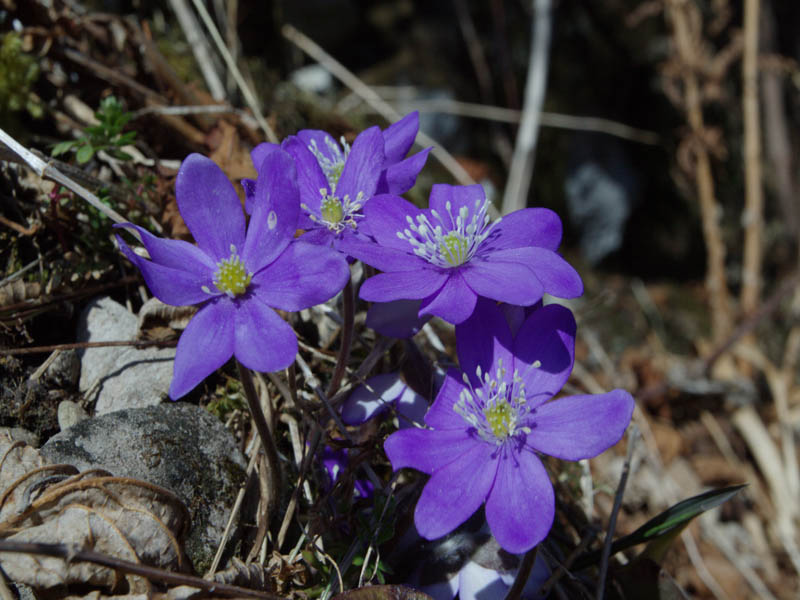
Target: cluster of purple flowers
492 418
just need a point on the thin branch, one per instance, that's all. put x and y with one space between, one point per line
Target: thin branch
371 97
265 433
752 218
521 172
523 572
47 171
633 434
200 48
348 312
716 282
82 345
249 96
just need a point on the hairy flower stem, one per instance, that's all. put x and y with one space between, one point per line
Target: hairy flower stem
523 572
264 432
348 310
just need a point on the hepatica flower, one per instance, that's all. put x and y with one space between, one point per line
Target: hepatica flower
489 422
237 275
336 179
450 254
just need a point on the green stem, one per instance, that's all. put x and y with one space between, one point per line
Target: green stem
348 310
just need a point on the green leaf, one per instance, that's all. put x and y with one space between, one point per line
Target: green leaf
85 153
120 155
669 523
62 148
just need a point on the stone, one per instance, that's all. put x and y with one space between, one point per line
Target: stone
180 447
21 435
69 414
120 377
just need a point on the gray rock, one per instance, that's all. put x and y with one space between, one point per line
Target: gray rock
70 413
177 446
116 378
65 369
21 435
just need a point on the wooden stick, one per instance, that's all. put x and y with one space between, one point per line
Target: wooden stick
371 97
752 217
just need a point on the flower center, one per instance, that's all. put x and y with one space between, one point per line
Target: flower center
449 240
499 418
332 163
454 248
337 213
497 410
231 276
331 209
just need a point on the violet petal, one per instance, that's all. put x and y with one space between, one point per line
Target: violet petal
455 491
398 318
399 137
401 177
205 345
521 504
427 450
441 415
170 285
176 254
558 277
381 257
310 178
454 302
363 165
304 275
527 227
373 396
578 427
483 340
275 211
402 285
386 215
506 281
210 206
544 349
264 341
458 196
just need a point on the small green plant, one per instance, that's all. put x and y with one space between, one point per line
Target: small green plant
18 71
106 135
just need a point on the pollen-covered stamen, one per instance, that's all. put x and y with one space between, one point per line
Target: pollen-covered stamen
449 240
497 409
231 276
337 213
332 164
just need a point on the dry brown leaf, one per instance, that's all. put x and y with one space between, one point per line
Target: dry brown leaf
117 516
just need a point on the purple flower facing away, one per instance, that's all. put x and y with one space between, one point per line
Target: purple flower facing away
237 275
489 422
476 582
335 462
336 180
450 254
379 393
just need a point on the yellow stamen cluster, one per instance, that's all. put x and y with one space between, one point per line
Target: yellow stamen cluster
454 248
232 277
500 417
331 209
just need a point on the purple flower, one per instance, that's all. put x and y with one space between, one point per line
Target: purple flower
335 462
377 394
336 180
489 422
477 582
236 276
450 254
